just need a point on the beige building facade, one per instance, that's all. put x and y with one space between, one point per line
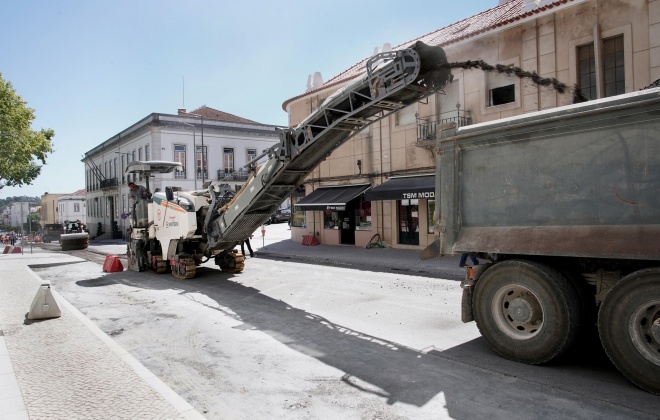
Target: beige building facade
606 47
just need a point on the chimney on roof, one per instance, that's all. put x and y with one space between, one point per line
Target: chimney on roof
387 47
182 111
314 81
529 5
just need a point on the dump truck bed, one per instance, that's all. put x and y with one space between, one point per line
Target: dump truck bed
577 181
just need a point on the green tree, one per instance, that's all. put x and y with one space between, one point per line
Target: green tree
23 151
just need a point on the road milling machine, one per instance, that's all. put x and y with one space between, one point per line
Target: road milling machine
178 230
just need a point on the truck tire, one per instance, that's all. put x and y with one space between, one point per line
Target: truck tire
629 328
526 311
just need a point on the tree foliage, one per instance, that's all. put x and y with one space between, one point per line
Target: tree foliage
23 151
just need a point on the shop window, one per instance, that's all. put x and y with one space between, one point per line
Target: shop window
362 214
297 216
331 219
430 207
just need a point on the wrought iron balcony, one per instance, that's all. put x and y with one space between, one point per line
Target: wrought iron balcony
179 174
427 127
237 176
109 183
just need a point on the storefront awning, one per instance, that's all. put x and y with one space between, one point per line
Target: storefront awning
404 188
331 198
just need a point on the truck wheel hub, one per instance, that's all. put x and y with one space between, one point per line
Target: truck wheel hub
521 310
655 330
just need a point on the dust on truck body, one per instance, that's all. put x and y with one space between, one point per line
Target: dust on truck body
565 205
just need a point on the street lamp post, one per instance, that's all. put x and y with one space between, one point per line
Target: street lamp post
201 120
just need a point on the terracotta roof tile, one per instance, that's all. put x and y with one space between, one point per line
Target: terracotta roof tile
214 114
500 15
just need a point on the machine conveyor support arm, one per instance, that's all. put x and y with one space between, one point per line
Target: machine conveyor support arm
391 82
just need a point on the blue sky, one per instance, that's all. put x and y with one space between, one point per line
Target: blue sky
92 68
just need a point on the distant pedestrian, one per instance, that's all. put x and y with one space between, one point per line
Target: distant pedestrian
247 242
12 238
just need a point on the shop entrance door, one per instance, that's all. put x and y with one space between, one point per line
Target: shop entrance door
408 222
347 224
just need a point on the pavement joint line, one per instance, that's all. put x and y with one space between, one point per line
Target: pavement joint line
13 406
181 405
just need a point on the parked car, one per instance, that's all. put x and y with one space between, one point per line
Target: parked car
281 216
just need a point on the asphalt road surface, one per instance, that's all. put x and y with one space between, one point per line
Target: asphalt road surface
286 340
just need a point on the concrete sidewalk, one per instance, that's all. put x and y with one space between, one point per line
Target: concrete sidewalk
66 367
389 260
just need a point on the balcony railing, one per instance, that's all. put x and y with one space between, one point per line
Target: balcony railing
109 183
201 175
427 127
237 176
179 174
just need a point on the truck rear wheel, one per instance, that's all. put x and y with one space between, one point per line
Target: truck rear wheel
629 328
527 312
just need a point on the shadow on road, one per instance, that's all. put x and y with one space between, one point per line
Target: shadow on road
582 385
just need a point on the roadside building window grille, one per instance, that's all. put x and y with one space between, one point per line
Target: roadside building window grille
251 154
180 156
614 74
228 160
200 162
140 159
133 156
587 71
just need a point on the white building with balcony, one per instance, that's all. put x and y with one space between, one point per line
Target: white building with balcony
211 145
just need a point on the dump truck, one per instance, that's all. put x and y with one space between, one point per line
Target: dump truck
562 208
52 232
178 230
